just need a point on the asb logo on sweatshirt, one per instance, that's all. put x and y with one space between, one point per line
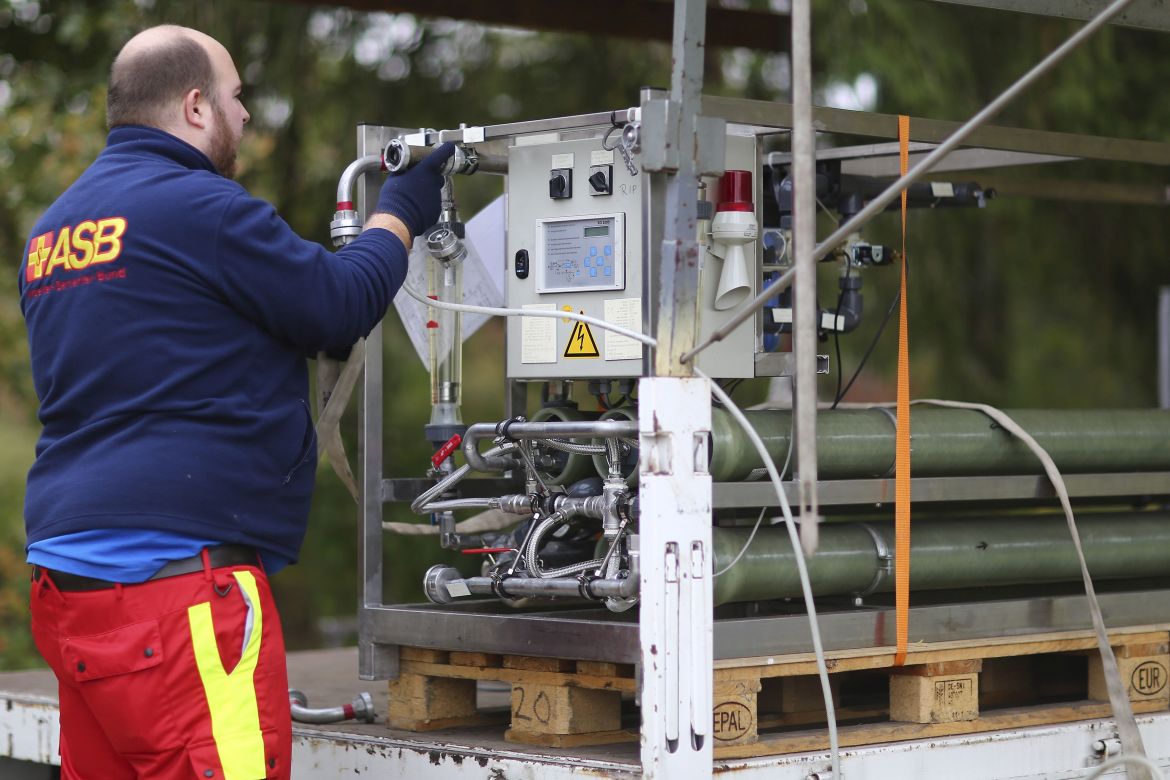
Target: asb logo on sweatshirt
75 247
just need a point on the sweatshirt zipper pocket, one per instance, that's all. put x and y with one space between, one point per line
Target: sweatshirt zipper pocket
310 440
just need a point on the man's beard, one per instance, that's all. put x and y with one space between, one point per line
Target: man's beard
224 145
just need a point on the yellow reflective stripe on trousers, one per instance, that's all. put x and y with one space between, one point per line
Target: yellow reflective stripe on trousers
235 715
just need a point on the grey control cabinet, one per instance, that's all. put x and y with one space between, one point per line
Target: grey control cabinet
577 225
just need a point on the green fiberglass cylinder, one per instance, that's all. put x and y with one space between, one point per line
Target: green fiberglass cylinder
564 468
945 554
859 443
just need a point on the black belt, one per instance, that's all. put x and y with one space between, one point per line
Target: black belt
222 555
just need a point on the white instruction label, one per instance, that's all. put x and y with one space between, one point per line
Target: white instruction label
472 135
625 313
457 588
538 336
601 157
562 160
942 189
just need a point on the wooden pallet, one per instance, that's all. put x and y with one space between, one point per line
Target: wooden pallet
774 705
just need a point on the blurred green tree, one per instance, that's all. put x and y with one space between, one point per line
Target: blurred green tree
1024 303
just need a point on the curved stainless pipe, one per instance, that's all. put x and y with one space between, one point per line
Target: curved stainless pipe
347 224
361 708
601 429
371 163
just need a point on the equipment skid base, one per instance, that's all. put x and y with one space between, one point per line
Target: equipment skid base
773 706
1006 741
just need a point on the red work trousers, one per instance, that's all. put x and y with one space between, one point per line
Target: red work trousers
182 677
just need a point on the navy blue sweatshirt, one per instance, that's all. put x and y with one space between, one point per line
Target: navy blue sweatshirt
169 314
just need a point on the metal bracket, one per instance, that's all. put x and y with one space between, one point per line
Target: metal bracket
885 557
659 146
781 364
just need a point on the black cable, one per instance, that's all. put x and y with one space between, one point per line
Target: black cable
728 387
869 349
840 367
837 334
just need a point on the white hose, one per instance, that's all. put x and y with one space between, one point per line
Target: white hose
1116 761
1127 731
801 568
493 311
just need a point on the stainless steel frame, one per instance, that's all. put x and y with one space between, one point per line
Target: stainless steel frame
382 627
592 634
597 635
1149 15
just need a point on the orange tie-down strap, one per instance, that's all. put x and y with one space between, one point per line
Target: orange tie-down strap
902 456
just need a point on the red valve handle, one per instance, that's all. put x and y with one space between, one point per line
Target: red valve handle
486 550
445 451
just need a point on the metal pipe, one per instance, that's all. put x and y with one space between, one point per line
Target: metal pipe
878 204
347 223
629 459
370 163
859 443
804 324
400 155
577 463
856 558
514 429
361 708
462 503
443 584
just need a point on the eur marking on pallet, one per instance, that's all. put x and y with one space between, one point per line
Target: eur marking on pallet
581 343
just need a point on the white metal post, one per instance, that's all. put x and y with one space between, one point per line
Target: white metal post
676 607
674 423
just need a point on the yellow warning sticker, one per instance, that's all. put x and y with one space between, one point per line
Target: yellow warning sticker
581 343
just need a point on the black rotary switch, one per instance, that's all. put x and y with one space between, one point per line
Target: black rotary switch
560 183
601 180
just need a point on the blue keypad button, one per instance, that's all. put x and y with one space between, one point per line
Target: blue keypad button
587 262
609 270
593 272
608 249
592 251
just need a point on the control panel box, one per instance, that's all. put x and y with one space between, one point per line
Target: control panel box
583 249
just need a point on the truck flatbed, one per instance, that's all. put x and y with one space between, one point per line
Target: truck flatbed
29 726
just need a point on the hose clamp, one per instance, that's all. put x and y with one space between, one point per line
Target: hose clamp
498 585
888 412
503 426
885 558
585 586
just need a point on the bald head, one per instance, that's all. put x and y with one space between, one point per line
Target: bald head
153 72
184 82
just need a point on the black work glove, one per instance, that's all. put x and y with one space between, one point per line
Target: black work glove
413 196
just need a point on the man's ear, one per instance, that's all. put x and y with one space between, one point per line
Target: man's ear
195 109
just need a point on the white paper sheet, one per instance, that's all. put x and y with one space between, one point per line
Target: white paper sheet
483 276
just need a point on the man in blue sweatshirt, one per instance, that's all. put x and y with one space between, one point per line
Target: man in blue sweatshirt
169 315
